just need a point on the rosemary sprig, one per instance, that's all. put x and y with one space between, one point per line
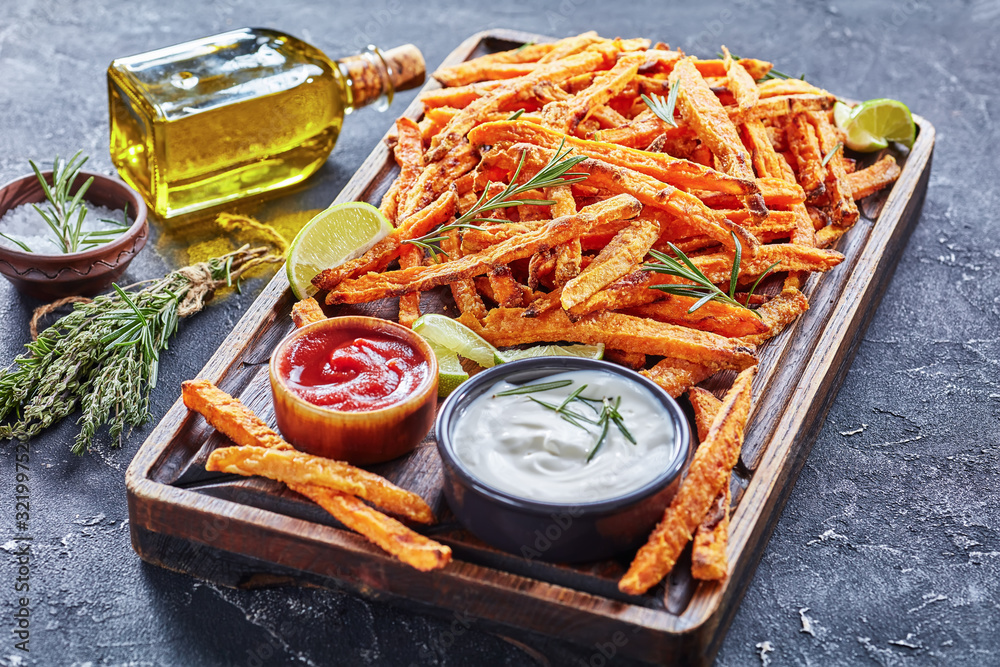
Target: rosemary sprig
700 287
65 212
104 356
664 110
21 244
609 409
833 151
555 172
532 388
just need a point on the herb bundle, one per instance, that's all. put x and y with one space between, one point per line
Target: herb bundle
103 357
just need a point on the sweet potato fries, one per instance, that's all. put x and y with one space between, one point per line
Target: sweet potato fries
336 486
541 179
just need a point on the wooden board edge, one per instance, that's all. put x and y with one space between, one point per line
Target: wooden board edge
276 290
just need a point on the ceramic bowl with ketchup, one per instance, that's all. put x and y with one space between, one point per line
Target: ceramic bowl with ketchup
356 389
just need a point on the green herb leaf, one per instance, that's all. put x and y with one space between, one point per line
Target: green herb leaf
532 388
664 110
833 151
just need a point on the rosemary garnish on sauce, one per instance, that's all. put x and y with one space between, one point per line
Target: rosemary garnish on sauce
555 172
602 418
664 110
700 287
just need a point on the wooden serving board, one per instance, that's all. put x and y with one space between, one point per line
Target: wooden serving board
252 531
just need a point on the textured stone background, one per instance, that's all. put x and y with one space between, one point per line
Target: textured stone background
887 551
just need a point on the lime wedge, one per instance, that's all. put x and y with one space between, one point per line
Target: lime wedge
455 336
841 112
338 234
450 371
873 124
587 351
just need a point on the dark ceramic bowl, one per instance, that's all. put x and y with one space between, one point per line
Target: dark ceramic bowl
549 531
364 437
49 277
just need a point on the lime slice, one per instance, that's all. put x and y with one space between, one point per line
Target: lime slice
587 351
841 112
455 336
873 124
338 234
450 371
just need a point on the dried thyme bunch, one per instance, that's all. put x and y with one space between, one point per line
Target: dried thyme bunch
103 357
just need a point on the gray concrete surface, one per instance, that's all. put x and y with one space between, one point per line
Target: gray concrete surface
887 551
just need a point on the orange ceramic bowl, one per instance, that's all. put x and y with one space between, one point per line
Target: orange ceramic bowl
362 437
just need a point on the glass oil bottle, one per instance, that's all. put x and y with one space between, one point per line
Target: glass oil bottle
239 114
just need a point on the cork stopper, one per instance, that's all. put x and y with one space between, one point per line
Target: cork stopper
377 75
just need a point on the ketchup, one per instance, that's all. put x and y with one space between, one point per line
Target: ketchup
352 370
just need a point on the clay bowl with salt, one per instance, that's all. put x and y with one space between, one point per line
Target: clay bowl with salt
86 273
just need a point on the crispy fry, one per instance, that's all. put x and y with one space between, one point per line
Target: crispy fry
463 291
558 71
706 406
620 256
568 255
633 289
674 171
571 45
708 473
870 180
306 312
805 146
776 87
505 327
228 415
703 112
648 190
409 304
409 153
472 72
709 561
459 97
565 116
708 554
844 211
785 105
778 313
388 249
720 318
757 69
633 360
506 291
291 466
675 376
408 546
240 424
435 179
740 83
394 283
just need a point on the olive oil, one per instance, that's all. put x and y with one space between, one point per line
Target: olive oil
238 114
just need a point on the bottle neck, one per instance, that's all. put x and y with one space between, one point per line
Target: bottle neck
374 76
368 79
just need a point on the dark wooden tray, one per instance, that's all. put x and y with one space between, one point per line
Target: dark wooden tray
251 531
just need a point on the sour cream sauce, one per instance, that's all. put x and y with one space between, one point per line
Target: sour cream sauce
515 445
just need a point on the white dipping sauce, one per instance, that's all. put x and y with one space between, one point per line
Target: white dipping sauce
515 445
